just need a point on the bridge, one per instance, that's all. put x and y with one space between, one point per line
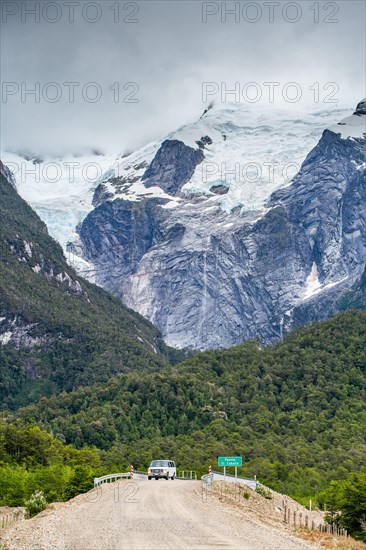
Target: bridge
186 475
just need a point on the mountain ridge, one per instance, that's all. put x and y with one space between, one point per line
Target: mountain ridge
58 331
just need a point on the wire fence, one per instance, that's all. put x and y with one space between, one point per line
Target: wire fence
300 519
7 519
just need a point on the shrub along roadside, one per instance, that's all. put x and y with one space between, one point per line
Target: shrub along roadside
346 504
36 503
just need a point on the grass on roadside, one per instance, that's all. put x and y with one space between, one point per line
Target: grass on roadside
332 542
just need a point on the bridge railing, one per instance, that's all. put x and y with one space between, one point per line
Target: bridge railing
110 478
218 476
190 475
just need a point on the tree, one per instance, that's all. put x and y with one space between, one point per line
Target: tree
346 502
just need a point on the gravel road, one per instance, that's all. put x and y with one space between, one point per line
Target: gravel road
148 515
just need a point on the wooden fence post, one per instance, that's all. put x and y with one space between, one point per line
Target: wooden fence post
8 519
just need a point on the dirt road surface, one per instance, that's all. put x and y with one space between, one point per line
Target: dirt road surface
148 515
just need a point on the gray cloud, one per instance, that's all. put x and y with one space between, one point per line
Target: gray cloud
168 53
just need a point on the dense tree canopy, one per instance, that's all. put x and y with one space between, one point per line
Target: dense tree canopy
346 502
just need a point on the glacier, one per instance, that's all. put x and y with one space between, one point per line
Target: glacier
61 189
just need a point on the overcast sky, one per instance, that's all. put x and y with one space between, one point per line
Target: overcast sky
162 52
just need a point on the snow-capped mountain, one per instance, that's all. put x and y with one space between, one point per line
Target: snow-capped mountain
212 258
241 158
207 232
61 189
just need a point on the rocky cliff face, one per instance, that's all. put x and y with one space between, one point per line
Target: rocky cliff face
209 272
173 166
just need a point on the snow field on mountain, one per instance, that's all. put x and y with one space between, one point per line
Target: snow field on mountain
251 155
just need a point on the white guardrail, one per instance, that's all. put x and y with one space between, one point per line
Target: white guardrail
189 475
111 478
218 476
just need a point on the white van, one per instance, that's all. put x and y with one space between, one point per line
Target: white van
162 468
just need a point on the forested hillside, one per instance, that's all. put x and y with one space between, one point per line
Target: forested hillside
57 331
296 412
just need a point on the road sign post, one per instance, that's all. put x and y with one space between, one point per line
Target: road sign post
230 462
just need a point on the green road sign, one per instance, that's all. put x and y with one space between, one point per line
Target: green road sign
230 461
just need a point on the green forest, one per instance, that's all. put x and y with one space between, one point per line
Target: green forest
32 459
89 388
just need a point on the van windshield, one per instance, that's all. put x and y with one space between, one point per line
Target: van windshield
158 463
